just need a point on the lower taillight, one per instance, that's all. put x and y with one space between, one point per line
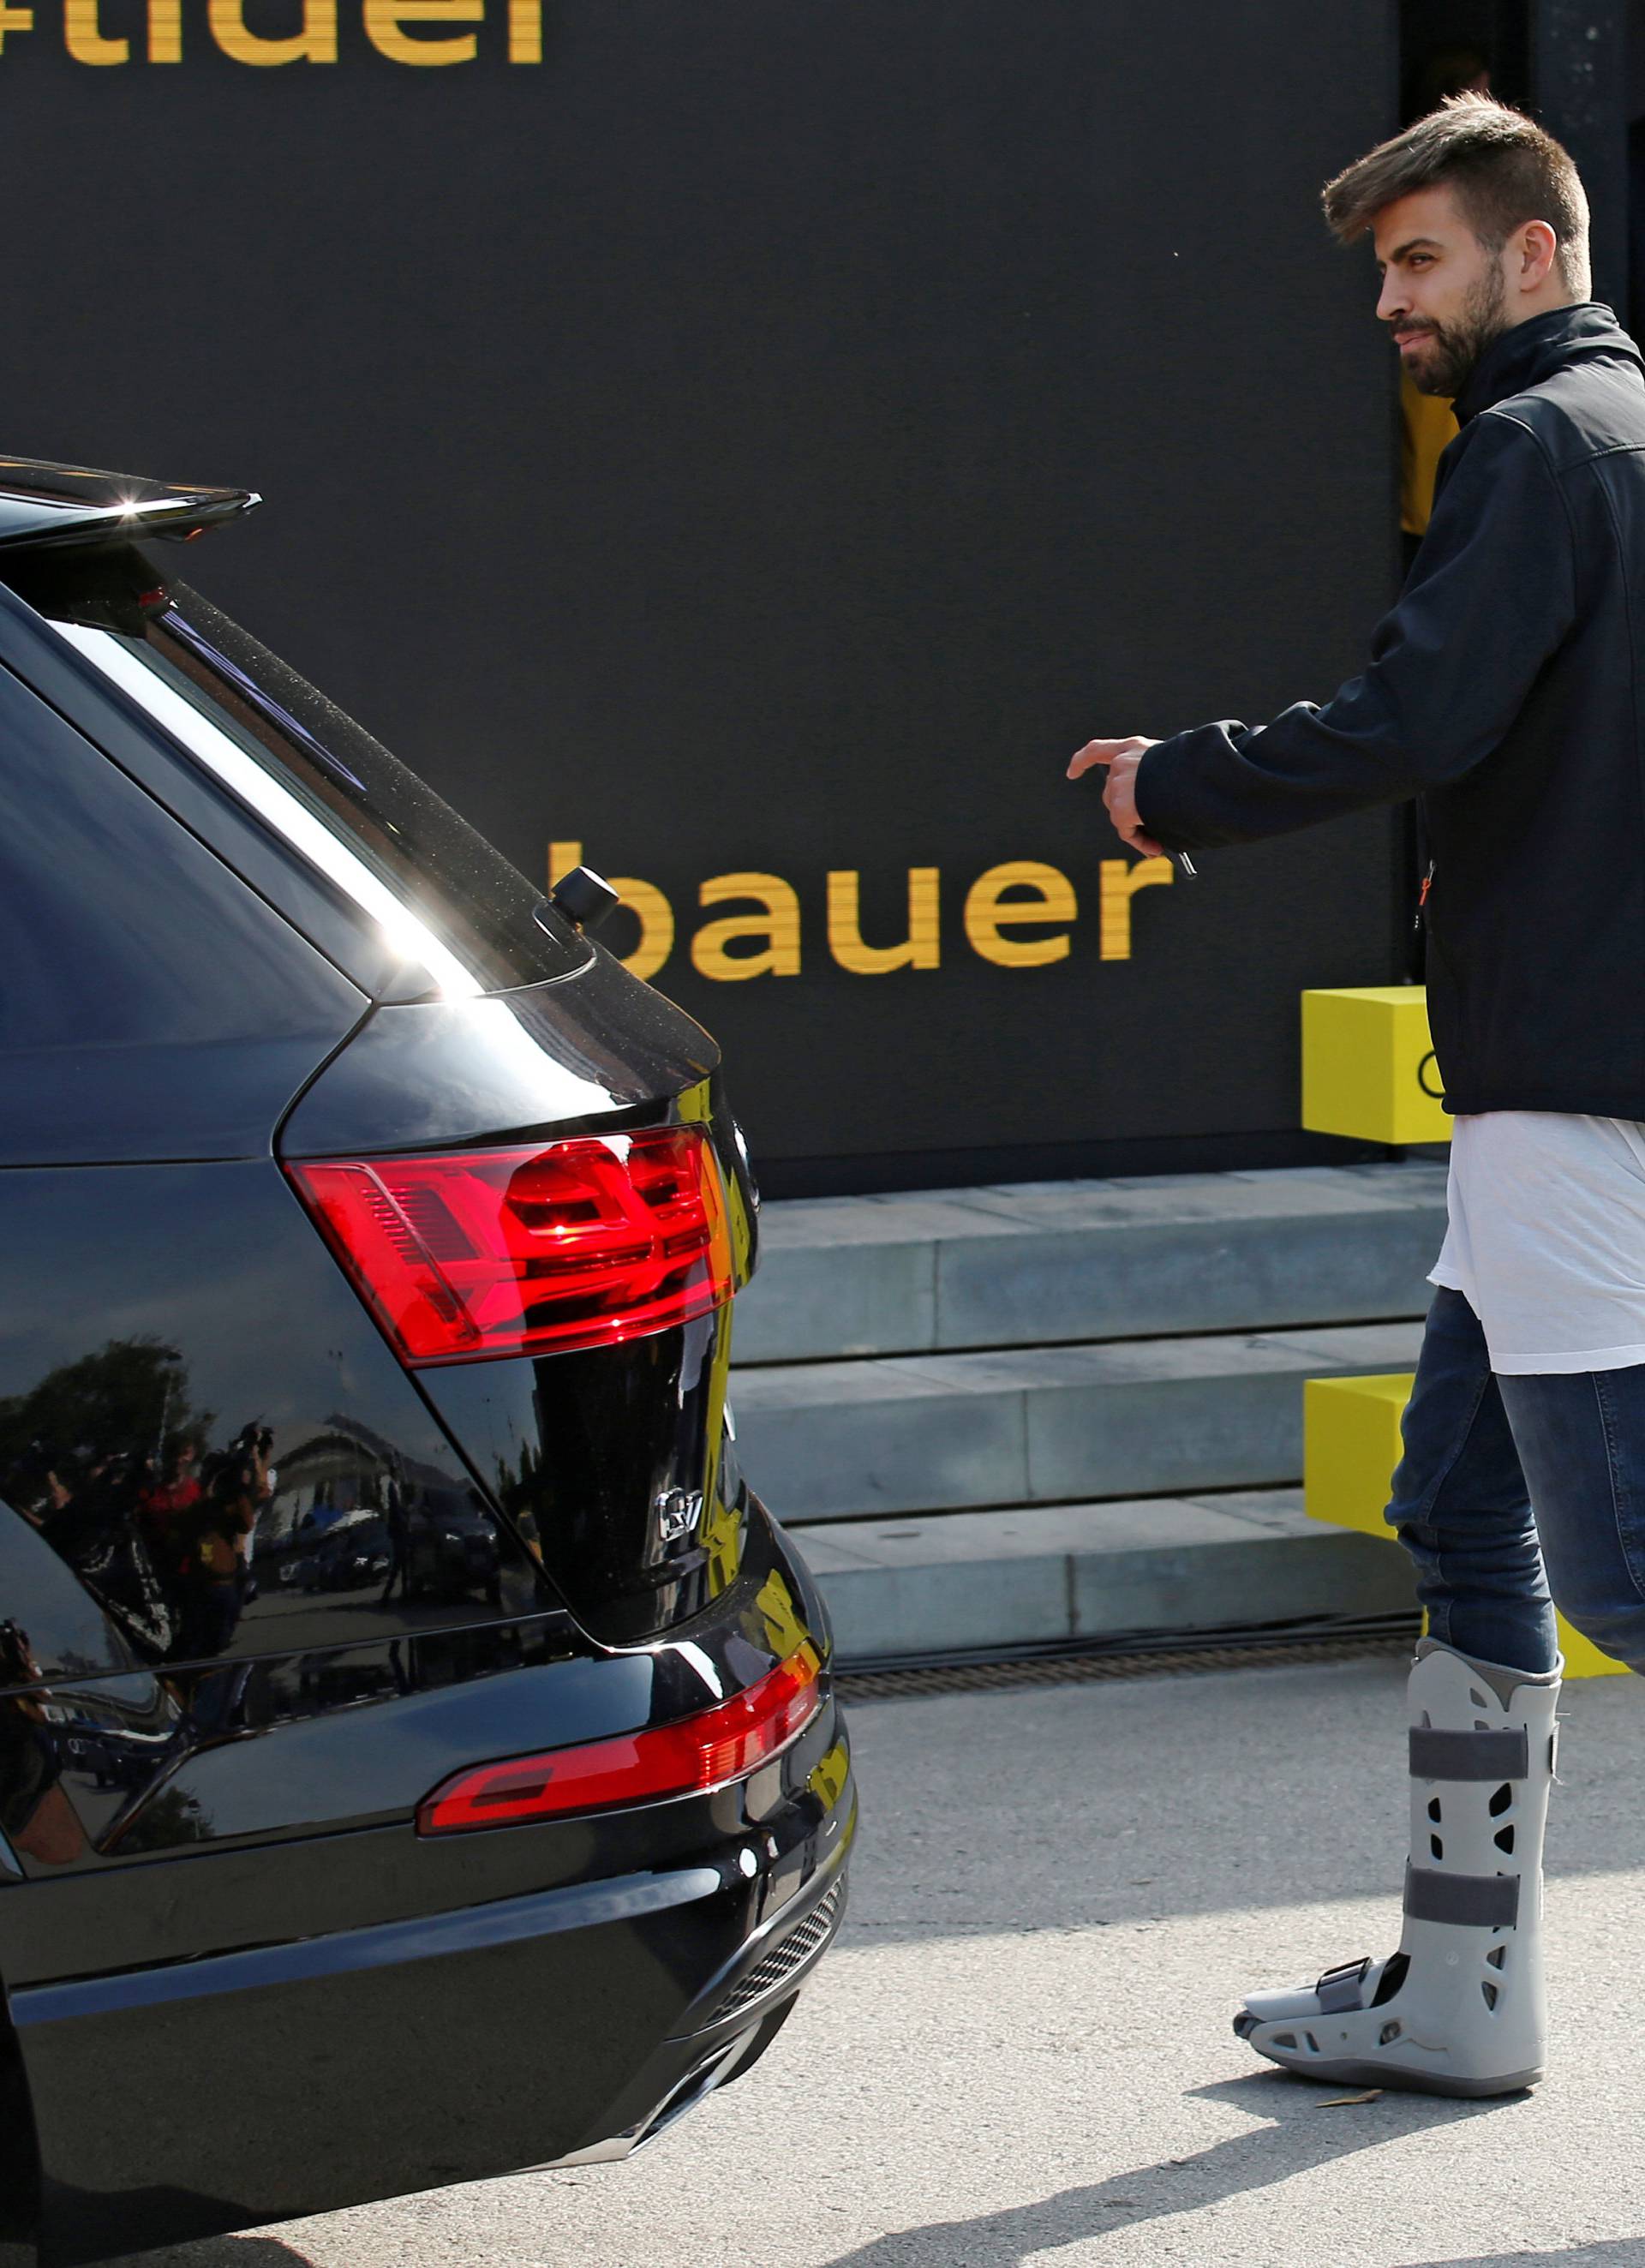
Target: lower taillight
582 1243
719 1745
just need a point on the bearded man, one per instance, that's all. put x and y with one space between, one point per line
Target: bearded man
1503 691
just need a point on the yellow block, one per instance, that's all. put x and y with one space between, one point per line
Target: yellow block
1367 1065
1351 1446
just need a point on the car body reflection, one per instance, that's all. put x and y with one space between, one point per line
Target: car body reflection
180 1529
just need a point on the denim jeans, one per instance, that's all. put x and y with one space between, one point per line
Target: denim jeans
1480 1452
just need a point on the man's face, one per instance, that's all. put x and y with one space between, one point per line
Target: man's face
1444 295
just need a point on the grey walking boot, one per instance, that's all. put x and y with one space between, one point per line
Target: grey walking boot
1460 2008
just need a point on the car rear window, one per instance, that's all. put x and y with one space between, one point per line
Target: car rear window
379 832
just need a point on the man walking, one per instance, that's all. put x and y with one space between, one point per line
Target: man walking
1503 690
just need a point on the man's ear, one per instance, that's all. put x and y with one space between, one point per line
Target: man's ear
1534 248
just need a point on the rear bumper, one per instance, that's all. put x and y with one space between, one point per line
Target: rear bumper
556 2023
377 2012
744 2017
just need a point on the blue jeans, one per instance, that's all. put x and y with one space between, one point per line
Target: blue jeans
1480 1452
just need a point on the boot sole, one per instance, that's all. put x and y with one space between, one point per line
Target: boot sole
1409 2082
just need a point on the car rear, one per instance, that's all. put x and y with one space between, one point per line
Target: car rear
416 1733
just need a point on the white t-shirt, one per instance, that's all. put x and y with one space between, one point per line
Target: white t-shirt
1545 1238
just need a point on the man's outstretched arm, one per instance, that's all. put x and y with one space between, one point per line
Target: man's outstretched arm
1491 596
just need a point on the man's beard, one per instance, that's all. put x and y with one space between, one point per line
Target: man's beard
1449 350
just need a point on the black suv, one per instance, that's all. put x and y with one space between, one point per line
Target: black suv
417 1752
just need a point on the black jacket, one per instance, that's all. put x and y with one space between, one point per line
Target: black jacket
1504 689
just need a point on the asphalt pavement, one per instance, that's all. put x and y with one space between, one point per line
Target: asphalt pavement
1020 2051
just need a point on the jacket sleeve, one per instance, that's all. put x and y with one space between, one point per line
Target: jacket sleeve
1489 598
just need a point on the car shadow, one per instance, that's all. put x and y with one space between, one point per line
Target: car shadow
1299 2132
221 2252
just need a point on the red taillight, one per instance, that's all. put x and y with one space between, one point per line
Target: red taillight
719 1744
529 1251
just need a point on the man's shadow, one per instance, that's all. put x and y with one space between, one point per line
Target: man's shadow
1612 2252
1298 2135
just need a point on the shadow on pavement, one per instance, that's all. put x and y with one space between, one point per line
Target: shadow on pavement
1613 2252
1299 2134
221 2252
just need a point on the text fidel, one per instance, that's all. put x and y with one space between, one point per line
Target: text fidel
421 33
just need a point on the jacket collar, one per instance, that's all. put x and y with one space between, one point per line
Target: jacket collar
1533 350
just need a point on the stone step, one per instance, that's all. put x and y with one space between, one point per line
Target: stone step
1078 1261
1047 1426
1046 1573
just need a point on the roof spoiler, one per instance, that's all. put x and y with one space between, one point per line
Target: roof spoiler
46 506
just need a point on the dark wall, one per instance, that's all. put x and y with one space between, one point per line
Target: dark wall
772 438
1581 79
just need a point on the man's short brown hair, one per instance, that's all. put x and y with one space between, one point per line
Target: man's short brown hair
1504 168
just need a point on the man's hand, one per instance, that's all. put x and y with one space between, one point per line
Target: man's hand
1119 795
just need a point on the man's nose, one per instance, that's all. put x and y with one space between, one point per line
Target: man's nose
1392 299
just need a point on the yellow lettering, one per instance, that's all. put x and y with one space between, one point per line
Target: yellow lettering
384 18
643 900
165 30
83 35
656 918
1120 883
922 949
315 43
526 31
779 925
988 910
14 20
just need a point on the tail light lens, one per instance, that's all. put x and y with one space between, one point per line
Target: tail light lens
465 1257
708 1750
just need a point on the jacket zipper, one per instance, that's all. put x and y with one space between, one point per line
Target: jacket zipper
1421 899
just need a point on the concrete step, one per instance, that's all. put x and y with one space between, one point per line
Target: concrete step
1078 1261
1050 1425
1048 1572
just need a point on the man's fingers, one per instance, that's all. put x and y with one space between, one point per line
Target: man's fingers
1104 752
1098 752
1132 836
1119 793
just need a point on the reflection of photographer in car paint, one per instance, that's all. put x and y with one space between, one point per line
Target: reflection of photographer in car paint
210 1533
237 1488
36 1816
